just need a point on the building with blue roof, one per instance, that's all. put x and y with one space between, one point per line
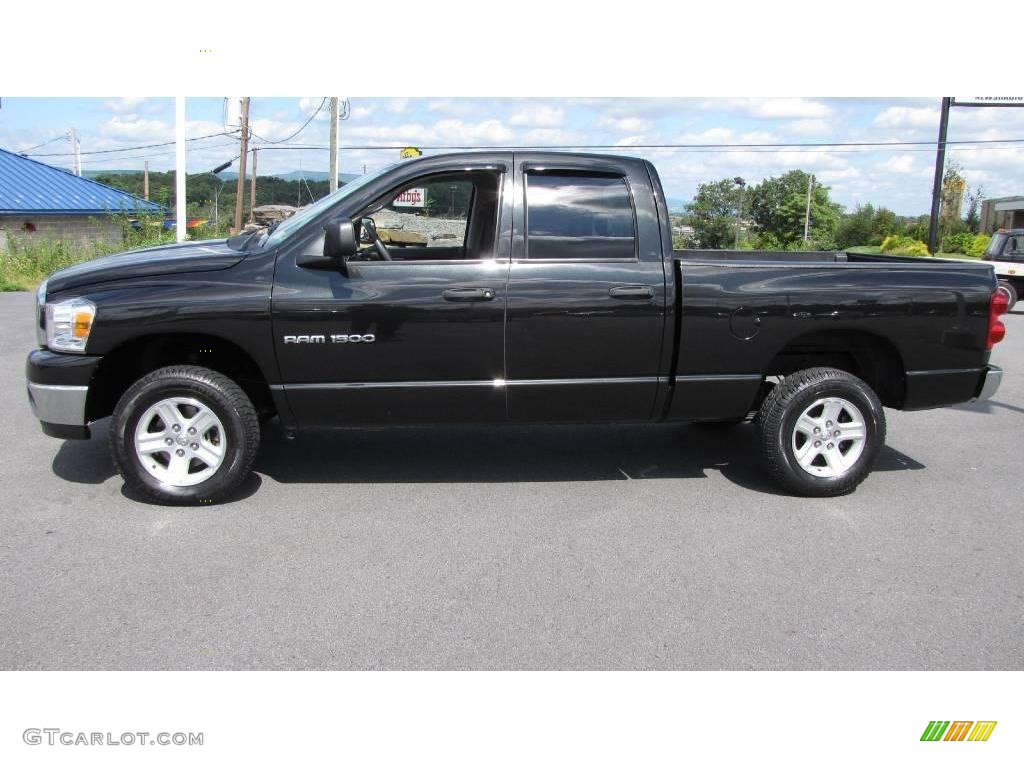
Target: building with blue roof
38 200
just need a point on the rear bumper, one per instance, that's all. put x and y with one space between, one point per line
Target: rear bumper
990 381
58 391
936 389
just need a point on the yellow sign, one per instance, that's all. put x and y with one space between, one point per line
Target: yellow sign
408 152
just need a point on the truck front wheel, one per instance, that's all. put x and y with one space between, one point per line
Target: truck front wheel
184 435
820 431
1010 291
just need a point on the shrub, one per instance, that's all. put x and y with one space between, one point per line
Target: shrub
958 243
977 246
900 245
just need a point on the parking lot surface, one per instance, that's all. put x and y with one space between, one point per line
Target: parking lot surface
519 548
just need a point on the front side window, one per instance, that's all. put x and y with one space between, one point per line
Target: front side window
442 217
578 216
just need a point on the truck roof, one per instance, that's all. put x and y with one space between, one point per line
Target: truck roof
583 159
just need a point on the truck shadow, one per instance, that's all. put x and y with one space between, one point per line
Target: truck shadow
481 454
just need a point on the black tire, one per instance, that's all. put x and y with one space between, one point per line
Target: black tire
1010 291
216 392
777 420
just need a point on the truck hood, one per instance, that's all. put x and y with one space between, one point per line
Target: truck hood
201 256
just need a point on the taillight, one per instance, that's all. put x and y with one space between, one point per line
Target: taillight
996 307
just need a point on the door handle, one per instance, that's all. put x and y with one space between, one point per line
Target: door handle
468 294
631 292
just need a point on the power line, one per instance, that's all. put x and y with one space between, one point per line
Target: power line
723 147
37 146
131 149
156 154
301 129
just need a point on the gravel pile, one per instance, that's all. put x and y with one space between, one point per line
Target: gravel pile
437 231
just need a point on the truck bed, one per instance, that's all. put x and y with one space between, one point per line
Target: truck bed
709 256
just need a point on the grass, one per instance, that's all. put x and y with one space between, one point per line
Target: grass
26 262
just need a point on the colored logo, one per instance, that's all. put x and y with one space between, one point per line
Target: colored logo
958 730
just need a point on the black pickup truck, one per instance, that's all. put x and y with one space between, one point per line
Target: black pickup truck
499 287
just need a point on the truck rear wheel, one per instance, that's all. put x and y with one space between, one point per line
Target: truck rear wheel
820 431
184 435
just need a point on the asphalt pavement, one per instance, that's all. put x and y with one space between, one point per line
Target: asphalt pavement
519 548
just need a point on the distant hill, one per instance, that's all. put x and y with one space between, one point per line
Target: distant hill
676 204
232 175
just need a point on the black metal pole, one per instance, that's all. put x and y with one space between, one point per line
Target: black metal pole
940 162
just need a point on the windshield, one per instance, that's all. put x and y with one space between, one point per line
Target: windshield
995 245
289 226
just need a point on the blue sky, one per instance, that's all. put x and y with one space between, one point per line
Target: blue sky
898 177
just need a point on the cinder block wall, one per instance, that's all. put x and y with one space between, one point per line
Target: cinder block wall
77 229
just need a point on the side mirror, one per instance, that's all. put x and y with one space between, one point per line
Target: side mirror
340 239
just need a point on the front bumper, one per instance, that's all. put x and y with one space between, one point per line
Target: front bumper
58 391
990 381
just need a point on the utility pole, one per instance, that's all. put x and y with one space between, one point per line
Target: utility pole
334 144
807 213
940 162
76 147
240 192
145 179
740 183
252 187
180 196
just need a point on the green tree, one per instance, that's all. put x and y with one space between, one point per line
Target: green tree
885 223
712 213
973 218
778 206
856 228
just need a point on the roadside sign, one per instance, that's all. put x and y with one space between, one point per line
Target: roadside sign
408 152
412 198
988 101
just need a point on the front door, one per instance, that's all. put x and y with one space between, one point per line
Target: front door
413 334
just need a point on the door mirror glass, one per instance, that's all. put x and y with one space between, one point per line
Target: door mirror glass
340 240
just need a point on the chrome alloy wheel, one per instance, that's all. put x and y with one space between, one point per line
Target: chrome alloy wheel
180 441
829 437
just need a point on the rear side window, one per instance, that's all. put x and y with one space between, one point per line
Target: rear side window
579 216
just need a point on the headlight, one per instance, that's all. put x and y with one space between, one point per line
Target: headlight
41 314
68 324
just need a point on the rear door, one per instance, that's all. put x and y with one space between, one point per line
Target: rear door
586 295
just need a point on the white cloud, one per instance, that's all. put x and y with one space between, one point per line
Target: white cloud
625 124
773 108
897 164
768 108
907 117
447 131
135 129
126 105
539 115
811 127
552 136
308 103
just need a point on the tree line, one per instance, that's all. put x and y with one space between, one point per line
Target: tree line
204 191
772 216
